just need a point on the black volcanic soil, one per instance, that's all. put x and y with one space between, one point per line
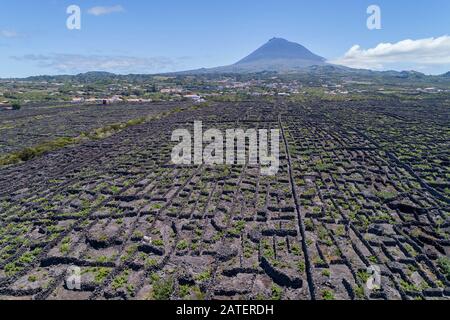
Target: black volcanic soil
354 189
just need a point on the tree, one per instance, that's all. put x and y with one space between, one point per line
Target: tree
16 106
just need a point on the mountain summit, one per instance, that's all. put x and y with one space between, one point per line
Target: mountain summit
281 49
277 55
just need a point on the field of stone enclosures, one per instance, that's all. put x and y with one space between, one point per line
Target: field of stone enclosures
360 184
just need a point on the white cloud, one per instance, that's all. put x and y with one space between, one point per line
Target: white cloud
99 11
77 63
421 52
9 34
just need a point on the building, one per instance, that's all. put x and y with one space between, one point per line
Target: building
171 90
194 97
77 100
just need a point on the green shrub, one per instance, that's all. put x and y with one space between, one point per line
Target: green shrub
162 289
32 278
359 292
182 245
120 281
204 276
327 295
301 266
363 276
444 265
158 243
276 292
326 273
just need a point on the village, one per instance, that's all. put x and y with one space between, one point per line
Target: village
105 89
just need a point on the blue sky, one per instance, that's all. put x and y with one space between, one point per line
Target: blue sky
168 35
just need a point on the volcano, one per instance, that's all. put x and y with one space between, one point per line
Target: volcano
277 55
279 50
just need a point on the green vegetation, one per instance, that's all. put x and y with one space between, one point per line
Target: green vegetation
295 248
444 266
198 293
406 286
184 290
386 195
58 143
12 268
189 290
237 228
228 219
410 250
138 235
309 193
268 250
324 236
309 225
204 276
65 245
158 243
301 266
328 295
363 276
359 292
326 273
182 245
161 289
32 278
100 274
340 231
29 257
121 281
32 152
277 292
